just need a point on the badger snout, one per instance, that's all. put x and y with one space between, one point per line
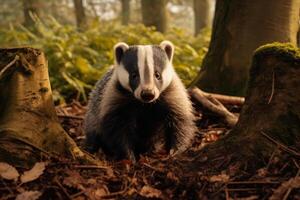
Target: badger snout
147 95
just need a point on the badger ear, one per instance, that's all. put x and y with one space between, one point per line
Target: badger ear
168 47
119 50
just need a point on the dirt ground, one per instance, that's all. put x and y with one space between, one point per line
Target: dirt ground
154 176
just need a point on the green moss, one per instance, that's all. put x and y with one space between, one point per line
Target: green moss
285 51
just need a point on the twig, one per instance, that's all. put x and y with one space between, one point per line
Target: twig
89 167
226 193
295 162
63 189
252 182
290 189
270 159
113 194
273 88
70 116
77 194
283 147
241 189
10 64
153 168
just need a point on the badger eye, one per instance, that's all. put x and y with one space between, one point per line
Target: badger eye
134 75
157 75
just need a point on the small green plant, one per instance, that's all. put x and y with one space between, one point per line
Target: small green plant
77 59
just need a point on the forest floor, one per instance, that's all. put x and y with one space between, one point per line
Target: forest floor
154 176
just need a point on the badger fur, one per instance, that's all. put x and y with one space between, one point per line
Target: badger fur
138 101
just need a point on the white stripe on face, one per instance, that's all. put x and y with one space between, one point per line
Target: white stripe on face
146 66
149 67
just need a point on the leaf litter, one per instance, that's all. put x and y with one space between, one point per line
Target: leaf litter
154 176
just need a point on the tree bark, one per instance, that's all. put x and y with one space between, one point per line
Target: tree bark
29 127
201 13
80 14
270 117
125 11
239 28
31 7
154 14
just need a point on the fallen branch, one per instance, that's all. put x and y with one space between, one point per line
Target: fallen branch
225 99
214 105
70 116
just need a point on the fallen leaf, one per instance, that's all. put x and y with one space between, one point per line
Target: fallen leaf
131 191
219 178
8 172
34 173
110 173
29 195
172 177
97 193
74 180
150 192
284 187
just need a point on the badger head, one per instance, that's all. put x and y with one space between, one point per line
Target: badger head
144 70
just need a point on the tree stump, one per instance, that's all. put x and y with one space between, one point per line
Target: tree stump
270 117
29 126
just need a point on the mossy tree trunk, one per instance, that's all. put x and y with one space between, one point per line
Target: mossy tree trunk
270 115
239 28
155 14
29 126
125 11
201 13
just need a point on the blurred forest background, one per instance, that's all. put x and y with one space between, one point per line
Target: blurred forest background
78 35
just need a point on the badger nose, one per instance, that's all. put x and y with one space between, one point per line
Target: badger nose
147 95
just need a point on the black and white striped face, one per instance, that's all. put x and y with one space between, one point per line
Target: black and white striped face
145 70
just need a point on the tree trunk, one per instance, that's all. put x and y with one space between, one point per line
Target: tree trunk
298 37
239 28
80 14
154 14
125 11
201 13
29 126
31 7
270 117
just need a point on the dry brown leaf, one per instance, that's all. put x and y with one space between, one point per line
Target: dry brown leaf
150 192
34 173
283 188
74 180
131 191
97 193
110 173
29 195
172 176
219 178
8 172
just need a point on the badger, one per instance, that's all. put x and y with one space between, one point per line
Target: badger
138 101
